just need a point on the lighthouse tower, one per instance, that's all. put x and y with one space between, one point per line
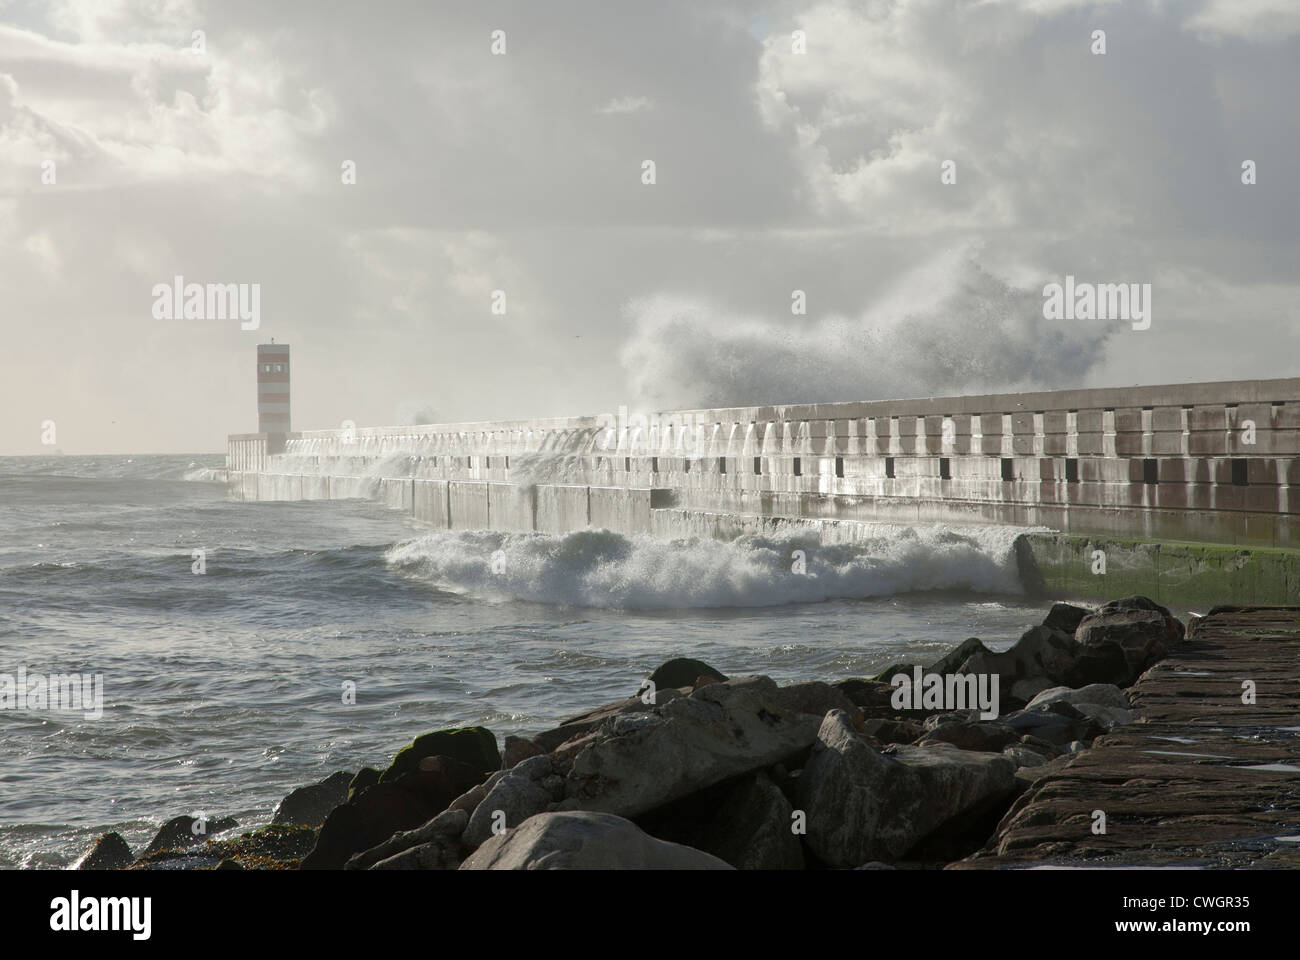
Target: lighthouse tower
273 392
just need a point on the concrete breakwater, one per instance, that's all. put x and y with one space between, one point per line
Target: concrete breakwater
1207 775
1194 467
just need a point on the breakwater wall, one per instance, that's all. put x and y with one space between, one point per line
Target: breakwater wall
1205 463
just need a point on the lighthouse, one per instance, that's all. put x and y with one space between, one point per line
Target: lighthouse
273 390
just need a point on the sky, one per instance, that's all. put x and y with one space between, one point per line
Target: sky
133 151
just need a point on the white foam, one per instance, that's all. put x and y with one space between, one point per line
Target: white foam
597 568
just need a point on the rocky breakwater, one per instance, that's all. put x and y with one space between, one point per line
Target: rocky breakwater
701 771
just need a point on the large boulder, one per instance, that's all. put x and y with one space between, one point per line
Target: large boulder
1105 703
585 840
1038 660
1119 641
185 831
682 672
433 846
1056 722
309 806
110 852
529 788
1065 617
583 724
751 829
474 746
863 804
638 762
968 733
388 807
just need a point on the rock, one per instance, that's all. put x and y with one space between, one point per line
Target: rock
893 731
279 846
1105 703
951 662
1022 756
1122 639
513 799
1026 688
1040 658
441 835
816 698
681 672
517 749
1056 722
972 735
639 762
1108 718
339 838
389 807
366 778
865 805
585 840
751 830
110 852
440 780
380 812
583 724
180 832
1065 617
872 698
427 856
474 746
309 806
470 799
1104 694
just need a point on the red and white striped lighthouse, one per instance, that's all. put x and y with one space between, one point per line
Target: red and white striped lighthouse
272 388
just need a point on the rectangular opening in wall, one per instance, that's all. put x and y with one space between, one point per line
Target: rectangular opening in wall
758 466
1071 470
798 467
1008 469
487 463
1150 471
889 467
839 467
1239 476
686 466
627 464
507 463
654 464
469 462
945 468
722 464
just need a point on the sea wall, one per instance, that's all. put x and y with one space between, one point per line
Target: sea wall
1182 575
1209 462
1203 465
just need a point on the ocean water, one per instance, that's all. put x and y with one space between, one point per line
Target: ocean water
223 691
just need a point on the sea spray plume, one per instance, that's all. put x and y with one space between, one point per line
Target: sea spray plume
598 568
415 413
947 328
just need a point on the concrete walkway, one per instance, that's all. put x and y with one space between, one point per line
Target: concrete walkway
1201 780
